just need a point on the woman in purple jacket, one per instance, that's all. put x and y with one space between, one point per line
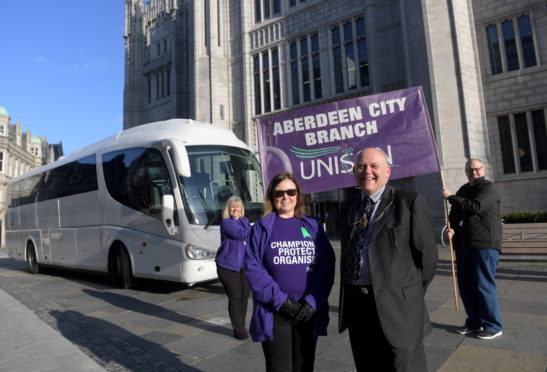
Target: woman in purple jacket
234 231
290 266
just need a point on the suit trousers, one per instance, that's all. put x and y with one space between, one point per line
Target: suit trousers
371 350
292 347
237 289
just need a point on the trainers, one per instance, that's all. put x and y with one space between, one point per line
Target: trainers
488 335
465 330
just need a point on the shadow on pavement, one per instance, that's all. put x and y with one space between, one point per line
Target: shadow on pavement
87 333
135 305
447 327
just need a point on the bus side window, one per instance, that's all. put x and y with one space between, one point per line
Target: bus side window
53 185
13 194
137 178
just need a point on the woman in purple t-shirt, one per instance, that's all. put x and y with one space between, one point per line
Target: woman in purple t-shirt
289 263
234 231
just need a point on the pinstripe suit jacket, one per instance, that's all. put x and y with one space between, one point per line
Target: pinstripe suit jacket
403 259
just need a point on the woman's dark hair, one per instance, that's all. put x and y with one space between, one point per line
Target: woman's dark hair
299 208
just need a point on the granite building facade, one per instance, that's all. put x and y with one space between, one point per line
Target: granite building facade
230 62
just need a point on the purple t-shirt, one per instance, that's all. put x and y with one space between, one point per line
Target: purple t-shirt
290 256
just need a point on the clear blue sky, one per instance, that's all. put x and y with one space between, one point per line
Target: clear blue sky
62 68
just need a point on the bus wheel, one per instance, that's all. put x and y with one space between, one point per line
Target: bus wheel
123 269
32 263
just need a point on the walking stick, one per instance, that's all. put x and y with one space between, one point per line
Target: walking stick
451 249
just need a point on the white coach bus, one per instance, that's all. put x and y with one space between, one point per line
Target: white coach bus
145 203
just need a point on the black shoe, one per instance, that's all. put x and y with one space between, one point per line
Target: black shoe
241 335
465 330
488 335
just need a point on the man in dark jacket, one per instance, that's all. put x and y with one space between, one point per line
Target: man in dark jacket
389 258
476 226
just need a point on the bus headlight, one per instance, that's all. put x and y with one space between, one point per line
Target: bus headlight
199 253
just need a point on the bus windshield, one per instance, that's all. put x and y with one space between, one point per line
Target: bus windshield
219 172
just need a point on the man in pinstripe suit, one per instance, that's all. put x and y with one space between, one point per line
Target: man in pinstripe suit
389 257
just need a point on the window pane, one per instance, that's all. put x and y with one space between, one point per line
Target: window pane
335 35
360 26
157 86
527 41
306 86
304 47
266 8
363 62
540 136
350 56
266 80
510 45
276 6
81 176
276 81
256 69
337 60
29 189
523 143
168 82
258 18
53 183
149 89
348 32
219 172
316 66
362 53
494 49
294 74
350 65
506 145
137 178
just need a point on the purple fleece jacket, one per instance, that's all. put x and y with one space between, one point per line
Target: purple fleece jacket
233 239
268 297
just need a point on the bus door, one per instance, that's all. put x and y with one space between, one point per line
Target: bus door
48 222
136 179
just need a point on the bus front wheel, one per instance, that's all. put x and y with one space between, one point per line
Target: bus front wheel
32 263
122 274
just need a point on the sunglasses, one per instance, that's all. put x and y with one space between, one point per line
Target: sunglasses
471 170
280 193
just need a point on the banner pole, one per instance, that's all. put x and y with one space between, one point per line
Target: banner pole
454 283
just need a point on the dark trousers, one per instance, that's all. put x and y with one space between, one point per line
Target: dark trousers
292 347
370 348
237 289
477 285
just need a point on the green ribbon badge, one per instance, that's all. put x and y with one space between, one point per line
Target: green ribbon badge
305 233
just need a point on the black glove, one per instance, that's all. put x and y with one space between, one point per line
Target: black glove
305 313
290 308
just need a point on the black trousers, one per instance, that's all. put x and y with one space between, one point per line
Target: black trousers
370 348
293 346
237 289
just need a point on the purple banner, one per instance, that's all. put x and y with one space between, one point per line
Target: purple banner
318 144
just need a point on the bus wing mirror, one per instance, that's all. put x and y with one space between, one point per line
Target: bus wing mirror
168 213
180 156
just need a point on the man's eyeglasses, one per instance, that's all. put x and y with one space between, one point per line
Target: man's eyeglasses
280 193
471 170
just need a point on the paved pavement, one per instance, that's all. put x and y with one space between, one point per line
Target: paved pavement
86 325
28 344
